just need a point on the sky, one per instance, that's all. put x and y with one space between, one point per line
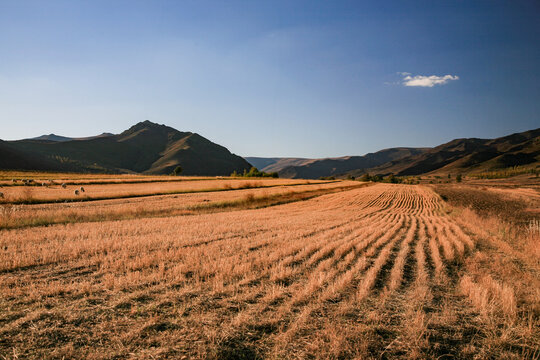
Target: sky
273 78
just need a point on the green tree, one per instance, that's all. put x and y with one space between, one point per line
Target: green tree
254 172
458 178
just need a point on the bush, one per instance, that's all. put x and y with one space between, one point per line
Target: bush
392 179
365 177
374 178
254 172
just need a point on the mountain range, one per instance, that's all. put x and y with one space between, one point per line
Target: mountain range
146 147
457 156
150 148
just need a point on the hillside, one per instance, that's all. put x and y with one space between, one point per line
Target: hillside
276 164
144 148
470 155
315 168
457 156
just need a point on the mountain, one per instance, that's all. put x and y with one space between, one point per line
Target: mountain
469 155
315 168
457 156
58 138
146 147
52 137
11 158
342 165
151 148
276 164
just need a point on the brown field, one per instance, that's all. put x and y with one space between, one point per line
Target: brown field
12 177
17 216
340 270
120 189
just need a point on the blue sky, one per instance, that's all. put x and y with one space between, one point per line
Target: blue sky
273 78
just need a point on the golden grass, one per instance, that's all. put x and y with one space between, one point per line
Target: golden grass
21 215
382 271
9 175
93 192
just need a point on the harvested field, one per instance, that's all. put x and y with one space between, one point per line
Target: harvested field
381 271
117 189
16 216
40 179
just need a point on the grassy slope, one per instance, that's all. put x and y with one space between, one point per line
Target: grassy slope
467 155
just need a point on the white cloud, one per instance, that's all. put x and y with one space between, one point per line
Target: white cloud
426 81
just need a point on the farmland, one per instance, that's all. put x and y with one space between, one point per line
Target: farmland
268 268
46 191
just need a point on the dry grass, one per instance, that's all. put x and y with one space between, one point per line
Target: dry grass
122 190
384 271
8 175
20 215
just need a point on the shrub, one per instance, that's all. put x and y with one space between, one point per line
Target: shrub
254 172
365 177
392 179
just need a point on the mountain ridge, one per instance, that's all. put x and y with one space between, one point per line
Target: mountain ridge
145 147
464 155
152 148
59 138
467 155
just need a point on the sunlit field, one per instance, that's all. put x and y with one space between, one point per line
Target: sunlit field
279 269
27 190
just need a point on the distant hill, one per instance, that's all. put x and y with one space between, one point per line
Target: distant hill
457 156
58 138
51 137
144 148
315 168
469 155
276 164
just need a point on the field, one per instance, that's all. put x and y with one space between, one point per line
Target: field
49 191
280 269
